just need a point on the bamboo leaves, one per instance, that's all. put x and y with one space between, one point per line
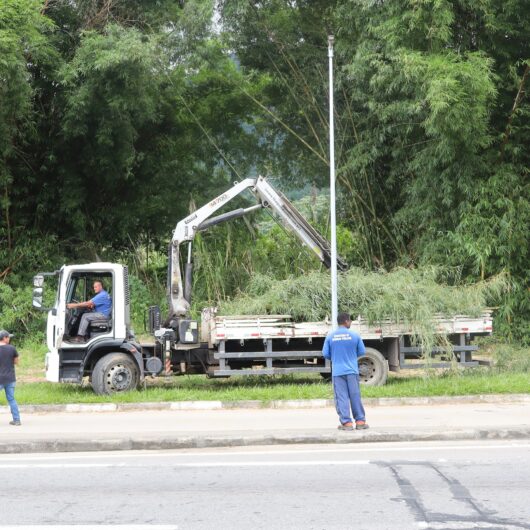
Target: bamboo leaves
410 298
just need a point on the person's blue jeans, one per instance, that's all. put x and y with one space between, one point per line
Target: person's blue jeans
10 396
348 394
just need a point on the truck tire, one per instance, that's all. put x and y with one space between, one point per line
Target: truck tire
373 368
115 372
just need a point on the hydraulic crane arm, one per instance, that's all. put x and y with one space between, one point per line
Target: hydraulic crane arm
179 292
293 219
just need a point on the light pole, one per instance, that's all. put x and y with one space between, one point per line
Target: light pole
334 303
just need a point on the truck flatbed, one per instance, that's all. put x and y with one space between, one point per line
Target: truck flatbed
276 344
246 327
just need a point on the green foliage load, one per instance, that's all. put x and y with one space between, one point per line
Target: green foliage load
412 298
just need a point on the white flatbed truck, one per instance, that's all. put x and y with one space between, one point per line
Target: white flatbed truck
221 346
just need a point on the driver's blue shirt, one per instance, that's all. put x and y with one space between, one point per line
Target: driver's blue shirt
343 346
102 303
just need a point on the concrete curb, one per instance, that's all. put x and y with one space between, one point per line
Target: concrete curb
201 442
275 404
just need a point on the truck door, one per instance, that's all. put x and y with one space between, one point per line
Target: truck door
80 289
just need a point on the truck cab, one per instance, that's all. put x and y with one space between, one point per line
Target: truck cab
68 361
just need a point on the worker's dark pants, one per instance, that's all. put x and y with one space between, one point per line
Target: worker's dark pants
348 393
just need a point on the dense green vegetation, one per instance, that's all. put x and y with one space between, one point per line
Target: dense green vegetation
118 117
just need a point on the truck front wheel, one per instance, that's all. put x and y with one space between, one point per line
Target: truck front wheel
373 368
115 372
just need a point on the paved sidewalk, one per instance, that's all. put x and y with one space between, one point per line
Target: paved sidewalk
172 429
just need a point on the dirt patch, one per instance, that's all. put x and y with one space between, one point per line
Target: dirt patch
31 376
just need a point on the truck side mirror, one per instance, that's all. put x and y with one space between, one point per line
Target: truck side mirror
38 291
37 298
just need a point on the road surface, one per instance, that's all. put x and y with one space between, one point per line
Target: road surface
432 486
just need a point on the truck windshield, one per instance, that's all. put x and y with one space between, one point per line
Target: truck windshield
80 285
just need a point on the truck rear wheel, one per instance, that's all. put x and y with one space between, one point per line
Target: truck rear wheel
373 368
115 372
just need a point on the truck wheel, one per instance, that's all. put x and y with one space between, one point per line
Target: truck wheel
115 372
373 368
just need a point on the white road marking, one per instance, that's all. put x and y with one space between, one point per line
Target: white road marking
165 454
91 527
58 466
278 463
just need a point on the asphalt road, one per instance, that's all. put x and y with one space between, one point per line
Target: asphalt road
449 486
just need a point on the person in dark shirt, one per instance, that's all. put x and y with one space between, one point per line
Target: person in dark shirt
100 308
343 347
8 359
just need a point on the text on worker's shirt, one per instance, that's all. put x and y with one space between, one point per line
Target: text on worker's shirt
344 336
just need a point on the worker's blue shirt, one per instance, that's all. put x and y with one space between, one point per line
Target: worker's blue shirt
343 347
102 303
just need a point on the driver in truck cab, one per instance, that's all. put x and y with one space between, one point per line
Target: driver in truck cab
99 308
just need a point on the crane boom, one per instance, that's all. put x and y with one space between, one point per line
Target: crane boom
179 292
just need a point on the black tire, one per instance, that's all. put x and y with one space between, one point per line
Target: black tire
373 368
115 372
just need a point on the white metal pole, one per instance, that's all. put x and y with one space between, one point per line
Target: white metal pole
334 303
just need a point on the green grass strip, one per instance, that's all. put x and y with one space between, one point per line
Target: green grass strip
199 388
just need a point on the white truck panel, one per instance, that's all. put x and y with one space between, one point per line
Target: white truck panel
223 328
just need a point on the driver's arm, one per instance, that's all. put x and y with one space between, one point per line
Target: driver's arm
75 305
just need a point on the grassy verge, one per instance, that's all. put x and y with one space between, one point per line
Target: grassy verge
511 375
285 387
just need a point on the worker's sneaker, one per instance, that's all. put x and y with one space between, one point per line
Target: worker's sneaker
15 422
360 425
345 426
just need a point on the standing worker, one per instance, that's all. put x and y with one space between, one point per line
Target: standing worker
343 347
8 359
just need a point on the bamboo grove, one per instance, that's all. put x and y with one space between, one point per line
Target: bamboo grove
118 117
